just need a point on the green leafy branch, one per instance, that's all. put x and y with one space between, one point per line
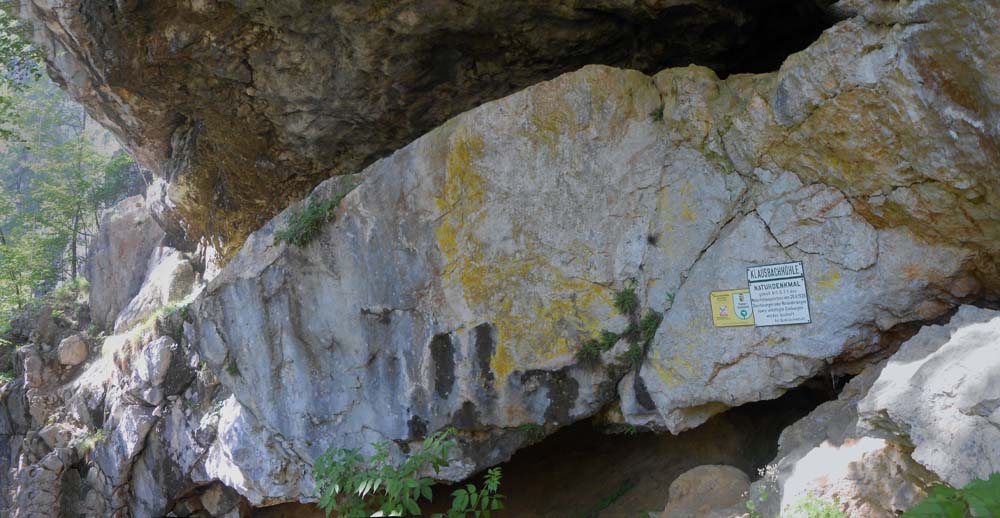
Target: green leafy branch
352 486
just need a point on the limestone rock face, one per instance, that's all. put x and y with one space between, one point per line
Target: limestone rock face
926 415
940 396
169 276
708 492
244 105
117 267
455 286
459 279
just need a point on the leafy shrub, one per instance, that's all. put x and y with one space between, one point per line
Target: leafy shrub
979 498
353 487
810 506
479 502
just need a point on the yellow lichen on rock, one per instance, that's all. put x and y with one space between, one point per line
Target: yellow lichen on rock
539 312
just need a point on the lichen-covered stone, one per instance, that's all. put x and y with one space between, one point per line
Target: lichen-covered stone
457 282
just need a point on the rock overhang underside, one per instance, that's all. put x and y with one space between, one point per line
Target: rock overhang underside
244 106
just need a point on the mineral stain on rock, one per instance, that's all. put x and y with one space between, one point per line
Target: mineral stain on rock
443 356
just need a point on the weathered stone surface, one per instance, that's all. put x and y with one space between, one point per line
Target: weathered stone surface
922 417
708 492
321 89
72 350
459 279
457 282
940 396
117 267
169 277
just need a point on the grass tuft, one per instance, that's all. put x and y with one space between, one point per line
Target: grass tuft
626 301
304 224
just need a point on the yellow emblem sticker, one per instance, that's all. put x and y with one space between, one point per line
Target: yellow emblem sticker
731 308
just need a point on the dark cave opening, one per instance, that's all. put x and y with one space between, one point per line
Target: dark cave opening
730 37
583 471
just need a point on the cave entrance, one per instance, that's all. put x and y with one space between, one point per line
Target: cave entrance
730 37
580 471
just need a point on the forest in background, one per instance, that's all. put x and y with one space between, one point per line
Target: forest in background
59 170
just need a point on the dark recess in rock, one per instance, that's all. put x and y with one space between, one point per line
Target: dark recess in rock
485 343
443 356
561 390
590 464
642 394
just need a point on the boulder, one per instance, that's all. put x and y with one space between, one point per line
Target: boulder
169 277
456 284
73 350
118 262
708 492
940 396
920 418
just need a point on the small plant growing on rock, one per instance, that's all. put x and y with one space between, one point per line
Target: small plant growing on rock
91 440
639 333
352 486
811 506
305 223
589 352
648 325
626 301
532 431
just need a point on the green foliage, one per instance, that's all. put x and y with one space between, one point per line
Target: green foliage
607 340
626 301
479 502
648 325
589 352
55 178
20 63
979 498
93 439
810 506
232 369
305 223
352 486
639 333
657 114
532 431
633 355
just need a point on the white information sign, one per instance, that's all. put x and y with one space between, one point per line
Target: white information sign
778 294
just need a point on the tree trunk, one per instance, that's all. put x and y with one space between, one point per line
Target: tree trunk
72 248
